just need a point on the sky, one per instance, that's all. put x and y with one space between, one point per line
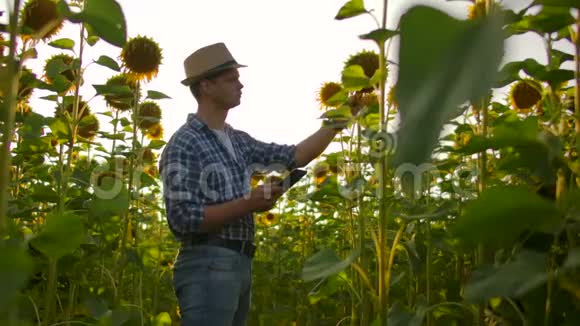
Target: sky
290 48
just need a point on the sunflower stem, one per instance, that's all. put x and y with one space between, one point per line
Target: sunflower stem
383 163
13 67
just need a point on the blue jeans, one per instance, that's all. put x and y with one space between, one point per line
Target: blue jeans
213 286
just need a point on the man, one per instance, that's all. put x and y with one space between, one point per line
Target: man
206 168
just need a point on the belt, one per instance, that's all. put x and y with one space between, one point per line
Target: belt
244 247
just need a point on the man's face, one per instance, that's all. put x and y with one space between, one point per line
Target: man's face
225 89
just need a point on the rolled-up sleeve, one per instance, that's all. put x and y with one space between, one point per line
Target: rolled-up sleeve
180 172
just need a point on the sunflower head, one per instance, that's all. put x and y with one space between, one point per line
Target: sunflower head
26 84
83 111
141 58
269 218
88 127
108 179
149 115
320 172
151 170
368 60
121 102
40 18
65 64
148 155
155 132
327 91
476 10
525 94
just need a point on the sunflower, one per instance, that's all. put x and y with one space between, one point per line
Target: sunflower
69 74
149 115
141 58
320 172
88 127
107 179
121 101
26 84
83 111
525 94
476 10
327 91
155 132
360 100
148 155
151 170
40 18
269 218
368 60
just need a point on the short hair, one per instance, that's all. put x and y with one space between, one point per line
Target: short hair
195 87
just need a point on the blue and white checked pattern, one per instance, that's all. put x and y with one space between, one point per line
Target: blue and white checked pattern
197 171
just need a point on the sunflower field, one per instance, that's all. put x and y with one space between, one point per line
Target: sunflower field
453 198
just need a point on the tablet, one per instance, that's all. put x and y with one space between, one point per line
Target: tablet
294 176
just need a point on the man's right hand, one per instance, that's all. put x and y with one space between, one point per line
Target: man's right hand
264 197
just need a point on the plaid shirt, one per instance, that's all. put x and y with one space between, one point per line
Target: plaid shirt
197 170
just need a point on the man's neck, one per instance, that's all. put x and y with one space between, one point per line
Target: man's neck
213 117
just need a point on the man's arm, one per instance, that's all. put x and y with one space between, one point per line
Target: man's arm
261 199
311 147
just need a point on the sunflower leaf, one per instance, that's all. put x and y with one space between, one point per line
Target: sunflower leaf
354 78
63 43
108 62
379 35
437 75
113 90
15 267
326 263
155 95
62 235
107 19
351 9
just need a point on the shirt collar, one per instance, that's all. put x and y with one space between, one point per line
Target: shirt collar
194 122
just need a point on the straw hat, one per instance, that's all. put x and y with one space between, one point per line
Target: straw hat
208 61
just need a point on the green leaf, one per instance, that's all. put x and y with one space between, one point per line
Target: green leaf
32 126
108 62
351 9
63 43
92 40
559 57
156 144
53 98
561 3
113 90
513 279
326 263
163 319
438 74
15 268
573 259
155 95
107 20
44 194
60 129
354 78
502 214
111 199
379 35
549 20
61 235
